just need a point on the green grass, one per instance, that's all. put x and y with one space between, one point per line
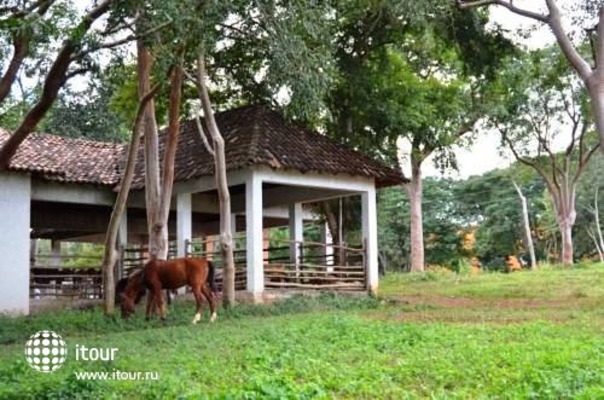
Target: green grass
524 335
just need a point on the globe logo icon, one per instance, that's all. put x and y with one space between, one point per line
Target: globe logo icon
45 351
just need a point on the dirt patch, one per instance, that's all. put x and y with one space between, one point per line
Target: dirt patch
446 309
439 301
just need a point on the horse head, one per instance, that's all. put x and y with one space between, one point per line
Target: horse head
127 305
131 294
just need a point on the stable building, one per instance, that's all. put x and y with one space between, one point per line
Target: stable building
63 189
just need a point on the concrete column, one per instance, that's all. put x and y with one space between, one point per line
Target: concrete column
369 224
184 223
122 242
122 234
327 240
253 227
15 200
233 225
296 233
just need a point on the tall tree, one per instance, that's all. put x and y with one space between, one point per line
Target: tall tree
412 79
592 78
541 103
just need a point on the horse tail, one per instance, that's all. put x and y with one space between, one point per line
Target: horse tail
210 279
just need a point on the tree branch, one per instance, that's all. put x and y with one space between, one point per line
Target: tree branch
570 51
464 5
127 39
21 41
55 79
550 187
21 47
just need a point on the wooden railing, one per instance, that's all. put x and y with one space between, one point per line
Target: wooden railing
316 267
210 249
74 283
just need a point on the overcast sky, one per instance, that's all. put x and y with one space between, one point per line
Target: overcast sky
484 154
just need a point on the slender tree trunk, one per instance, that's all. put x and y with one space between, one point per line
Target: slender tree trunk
332 223
599 249
157 231
414 191
595 82
527 227
597 218
21 48
167 182
224 198
111 254
567 243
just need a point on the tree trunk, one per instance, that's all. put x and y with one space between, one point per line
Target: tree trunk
332 223
224 198
110 254
167 181
592 235
595 84
414 191
567 243
527 227
158 232
597 218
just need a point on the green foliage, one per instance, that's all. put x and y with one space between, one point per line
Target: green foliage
407 75
360 349
491 204
87 115
443 234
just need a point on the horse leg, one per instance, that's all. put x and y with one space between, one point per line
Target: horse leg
199 301
150 304
209 295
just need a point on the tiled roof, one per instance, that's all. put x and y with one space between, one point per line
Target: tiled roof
253 136
68 160
256 136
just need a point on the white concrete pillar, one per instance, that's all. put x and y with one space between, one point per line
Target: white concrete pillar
253 230
327 240
122 243
369 226
15 200
122 234
296 233
184 223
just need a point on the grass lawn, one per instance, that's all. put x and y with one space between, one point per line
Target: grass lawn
434 335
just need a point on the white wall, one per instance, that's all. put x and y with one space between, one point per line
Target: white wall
15 190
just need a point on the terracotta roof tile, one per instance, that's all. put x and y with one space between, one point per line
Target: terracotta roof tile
68 160
255 135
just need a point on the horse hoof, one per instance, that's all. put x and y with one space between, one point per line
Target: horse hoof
213 318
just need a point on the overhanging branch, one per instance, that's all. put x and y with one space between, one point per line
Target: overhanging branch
507 4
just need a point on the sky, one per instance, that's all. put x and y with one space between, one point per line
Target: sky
485 154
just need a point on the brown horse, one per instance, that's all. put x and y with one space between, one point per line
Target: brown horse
197 273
